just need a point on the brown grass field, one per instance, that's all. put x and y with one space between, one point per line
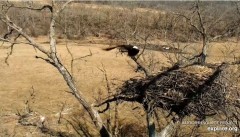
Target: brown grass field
30 83
25 71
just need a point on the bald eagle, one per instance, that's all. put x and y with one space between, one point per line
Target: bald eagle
130 49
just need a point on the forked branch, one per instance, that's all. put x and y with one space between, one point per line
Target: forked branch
54 60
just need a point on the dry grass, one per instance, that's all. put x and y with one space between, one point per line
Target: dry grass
26 71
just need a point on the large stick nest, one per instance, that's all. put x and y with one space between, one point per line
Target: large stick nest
178 90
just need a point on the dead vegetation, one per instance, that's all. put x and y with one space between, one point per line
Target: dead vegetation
177 92
185 89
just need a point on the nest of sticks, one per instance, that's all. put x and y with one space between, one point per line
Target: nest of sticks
176 90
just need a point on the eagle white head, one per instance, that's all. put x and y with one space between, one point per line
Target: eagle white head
135 47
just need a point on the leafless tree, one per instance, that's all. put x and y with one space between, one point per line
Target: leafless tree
203 23
52 57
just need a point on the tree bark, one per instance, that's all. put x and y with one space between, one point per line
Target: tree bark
169 130
150 124
203 55
52 58
69 80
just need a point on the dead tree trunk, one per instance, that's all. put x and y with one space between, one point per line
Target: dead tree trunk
150 119
169 130
201 29
151 124
203 54
69 80
53 59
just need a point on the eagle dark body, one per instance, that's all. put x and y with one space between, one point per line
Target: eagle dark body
130 49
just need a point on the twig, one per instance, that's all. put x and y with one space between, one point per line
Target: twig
28 38
105 109
7 34
54 60
72 59
140 66
30 8
106 78
90 54
11 50
47 60
116 98
12 42
60 114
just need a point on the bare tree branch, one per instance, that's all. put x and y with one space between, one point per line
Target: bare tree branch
28 38
13 42
54 60
47 60
11 50
90 54
190 22
7 34
200 17
30 8
72 59
140 66
69 79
